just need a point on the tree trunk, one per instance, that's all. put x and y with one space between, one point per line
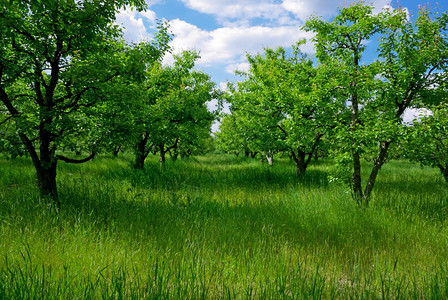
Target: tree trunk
140 156
301 159
246 150
269 157
162 158
316 155
175 154
444 170
300 162
46 180
115 151
140 152
378 163
46 168
356 177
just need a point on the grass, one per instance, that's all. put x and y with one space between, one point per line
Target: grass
221 227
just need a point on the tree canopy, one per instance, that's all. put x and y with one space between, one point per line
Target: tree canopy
290 102
54 57
412 58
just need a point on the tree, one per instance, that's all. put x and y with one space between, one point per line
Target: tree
175 113
297 89
54 55
181 117
231 138
426 141
411 55
256 122
127 97
283 102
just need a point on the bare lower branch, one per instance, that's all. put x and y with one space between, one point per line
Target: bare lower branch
76 161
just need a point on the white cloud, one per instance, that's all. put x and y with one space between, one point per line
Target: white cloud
280 11
248 26
149 15
134 29
299 8
223 86
212 105
152 2
187 36
227 45
324 8
412 114
243 9
243 67
215 127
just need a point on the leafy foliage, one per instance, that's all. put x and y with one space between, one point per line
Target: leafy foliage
282 105
427 140
172 114
409 70
54 57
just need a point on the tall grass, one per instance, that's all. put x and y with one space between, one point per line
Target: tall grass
220 227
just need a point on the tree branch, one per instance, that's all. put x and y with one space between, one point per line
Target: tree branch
7 119
173 146
76 161
313 149
25 140
38 75
282 130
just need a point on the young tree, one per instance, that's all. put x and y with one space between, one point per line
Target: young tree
283 102
127 97
231 138
298 90
426 141
175 113
344 40
256 118
53 57
182 118
411 58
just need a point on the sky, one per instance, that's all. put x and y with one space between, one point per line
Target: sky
224 31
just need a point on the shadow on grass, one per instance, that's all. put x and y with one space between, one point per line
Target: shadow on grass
241 232
177 198
223 227
425 198
174 202
250 176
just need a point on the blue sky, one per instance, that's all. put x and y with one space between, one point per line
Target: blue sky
223 31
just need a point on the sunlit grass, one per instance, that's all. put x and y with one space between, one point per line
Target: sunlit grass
221 227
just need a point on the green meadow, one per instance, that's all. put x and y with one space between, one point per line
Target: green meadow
220 227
